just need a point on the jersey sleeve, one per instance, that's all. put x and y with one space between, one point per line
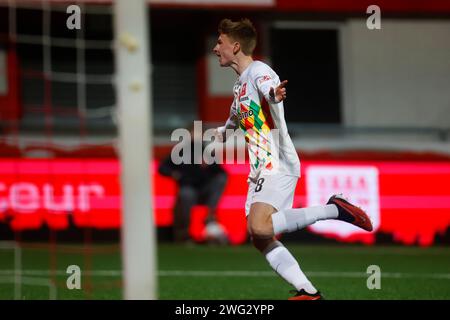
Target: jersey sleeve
264 80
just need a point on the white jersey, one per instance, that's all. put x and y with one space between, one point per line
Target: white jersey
262 120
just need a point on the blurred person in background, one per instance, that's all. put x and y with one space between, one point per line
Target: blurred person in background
198 184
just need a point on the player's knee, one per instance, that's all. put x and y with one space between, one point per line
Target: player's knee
260 230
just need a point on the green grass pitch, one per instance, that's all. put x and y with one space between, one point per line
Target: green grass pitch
234 272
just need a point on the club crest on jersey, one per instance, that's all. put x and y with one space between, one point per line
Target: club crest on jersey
246 114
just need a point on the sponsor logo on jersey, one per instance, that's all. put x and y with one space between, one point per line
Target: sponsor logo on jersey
264 79
246 114
243 99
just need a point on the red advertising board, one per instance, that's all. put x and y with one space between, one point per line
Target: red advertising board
408 200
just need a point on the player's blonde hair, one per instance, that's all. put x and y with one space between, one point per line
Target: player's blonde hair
241 31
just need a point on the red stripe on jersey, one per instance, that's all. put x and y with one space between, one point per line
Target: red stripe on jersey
244 107
248 124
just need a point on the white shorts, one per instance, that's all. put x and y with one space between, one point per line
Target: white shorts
275 189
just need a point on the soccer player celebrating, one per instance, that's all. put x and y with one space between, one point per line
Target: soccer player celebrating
258 110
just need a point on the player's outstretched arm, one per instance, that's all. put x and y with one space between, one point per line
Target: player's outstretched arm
278 93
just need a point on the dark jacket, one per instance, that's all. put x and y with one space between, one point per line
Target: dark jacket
195 175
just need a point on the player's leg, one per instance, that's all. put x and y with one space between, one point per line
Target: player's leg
289 220
279 258
278 191
267 222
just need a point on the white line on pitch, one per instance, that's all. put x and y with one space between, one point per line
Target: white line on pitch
234 273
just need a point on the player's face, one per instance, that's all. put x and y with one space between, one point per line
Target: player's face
224 49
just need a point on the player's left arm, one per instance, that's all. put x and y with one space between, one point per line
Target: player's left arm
272 90
278 93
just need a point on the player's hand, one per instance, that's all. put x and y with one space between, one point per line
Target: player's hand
279 93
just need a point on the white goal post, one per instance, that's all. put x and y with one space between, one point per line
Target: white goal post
133 89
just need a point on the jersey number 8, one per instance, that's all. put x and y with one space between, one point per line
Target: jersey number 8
259 184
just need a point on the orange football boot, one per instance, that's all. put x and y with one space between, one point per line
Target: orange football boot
351 213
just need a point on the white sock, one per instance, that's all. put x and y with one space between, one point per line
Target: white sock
282 261
290 220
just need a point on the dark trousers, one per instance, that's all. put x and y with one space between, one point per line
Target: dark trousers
189 196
